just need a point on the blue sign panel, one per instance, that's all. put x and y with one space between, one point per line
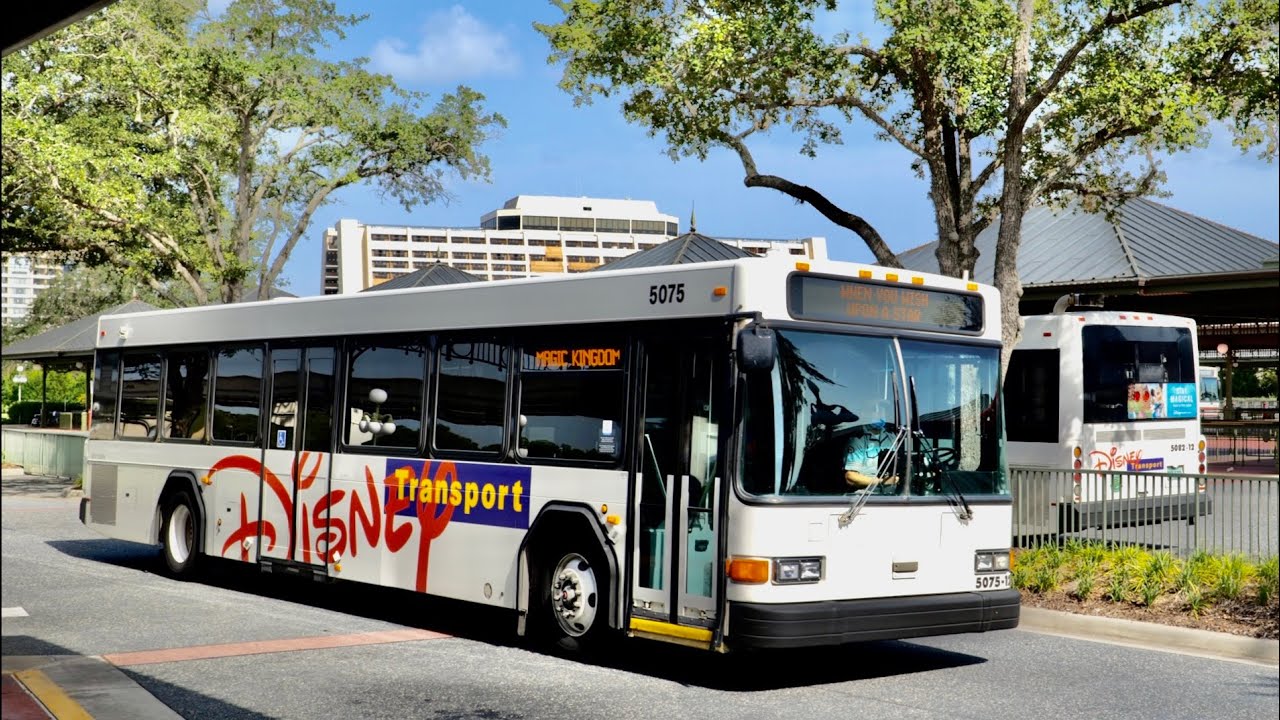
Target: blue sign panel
1181 400
482 494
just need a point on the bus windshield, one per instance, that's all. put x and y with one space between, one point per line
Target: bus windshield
1138 373
833 419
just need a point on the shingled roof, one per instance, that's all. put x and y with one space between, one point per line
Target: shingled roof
690 247
75 339
1145 240
430 276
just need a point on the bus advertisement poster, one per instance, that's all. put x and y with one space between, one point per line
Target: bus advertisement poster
1180 398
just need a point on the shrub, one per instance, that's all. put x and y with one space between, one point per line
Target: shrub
1086 578
1196 601
1268 580
1229 576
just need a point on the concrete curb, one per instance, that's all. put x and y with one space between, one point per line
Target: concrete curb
1189 641
98 688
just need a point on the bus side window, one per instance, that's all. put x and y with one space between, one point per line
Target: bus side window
1031 396
471 396
237 394
398 369
186 400
140 396
106 387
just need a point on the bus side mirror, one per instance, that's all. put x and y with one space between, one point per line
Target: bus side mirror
756 349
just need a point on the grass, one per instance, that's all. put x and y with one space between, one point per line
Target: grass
1132 575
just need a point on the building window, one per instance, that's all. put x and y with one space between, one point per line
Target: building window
648 227
509 222
673 229
577 224
471 396
376 237
540 222
398 370
186 400
237 389
613 225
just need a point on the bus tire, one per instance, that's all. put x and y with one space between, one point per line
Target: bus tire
572 602
179 534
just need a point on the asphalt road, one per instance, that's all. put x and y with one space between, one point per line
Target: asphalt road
91 596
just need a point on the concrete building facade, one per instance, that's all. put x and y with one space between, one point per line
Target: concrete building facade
23 277
529 235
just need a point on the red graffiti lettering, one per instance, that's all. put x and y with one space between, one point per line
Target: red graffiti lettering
431 523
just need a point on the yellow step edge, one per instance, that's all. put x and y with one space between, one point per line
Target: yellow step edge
683 634
55 700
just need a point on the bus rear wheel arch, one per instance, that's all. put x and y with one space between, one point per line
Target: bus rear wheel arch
180 533
570 582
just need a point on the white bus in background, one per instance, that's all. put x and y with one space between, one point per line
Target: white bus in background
1112 394
660 452
1210 394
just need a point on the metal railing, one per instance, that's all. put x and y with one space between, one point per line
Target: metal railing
45 452
1242 442
1166 511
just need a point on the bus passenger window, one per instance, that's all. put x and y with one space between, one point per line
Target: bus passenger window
571 401
186 400
1031 396
106 385
399 370
140 396
471 396
237 389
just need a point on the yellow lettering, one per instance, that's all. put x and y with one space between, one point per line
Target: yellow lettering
402 475
472 496
442 491
502 495
455 493
488 496
516 490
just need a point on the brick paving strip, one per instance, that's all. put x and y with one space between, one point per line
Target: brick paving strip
258 647
17 703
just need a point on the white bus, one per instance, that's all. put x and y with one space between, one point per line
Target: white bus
669 453
1210 394
1110 394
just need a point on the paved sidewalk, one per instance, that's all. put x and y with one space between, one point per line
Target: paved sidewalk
71 687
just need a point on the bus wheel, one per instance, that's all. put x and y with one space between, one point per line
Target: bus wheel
573 601
178 534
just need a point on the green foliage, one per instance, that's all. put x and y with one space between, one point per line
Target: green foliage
1268 576
62 387
193 151
1229 575
1086 579
1107 85
1196 600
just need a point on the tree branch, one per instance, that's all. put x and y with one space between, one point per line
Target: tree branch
806 194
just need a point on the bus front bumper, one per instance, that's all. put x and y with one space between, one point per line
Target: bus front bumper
835 622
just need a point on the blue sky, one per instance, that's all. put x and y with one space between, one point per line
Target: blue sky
553 148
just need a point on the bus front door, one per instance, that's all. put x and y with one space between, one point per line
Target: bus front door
675 551
296 459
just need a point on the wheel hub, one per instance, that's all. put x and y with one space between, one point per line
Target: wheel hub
573 595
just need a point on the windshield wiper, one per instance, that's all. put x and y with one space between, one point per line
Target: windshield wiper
954 496
888 460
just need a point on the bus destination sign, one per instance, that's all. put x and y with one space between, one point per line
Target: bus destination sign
863 302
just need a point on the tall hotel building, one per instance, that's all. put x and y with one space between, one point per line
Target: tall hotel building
529 235
24 276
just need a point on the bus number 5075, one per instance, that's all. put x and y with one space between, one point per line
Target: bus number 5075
663 294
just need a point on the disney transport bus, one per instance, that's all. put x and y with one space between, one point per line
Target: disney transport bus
751 453
1112 394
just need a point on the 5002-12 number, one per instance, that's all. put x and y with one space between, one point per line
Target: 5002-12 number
663 294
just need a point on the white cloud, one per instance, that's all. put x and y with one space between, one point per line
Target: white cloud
454 45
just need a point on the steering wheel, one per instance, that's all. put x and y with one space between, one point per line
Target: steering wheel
947 458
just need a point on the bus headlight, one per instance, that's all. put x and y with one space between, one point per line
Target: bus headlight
791 571
991 561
